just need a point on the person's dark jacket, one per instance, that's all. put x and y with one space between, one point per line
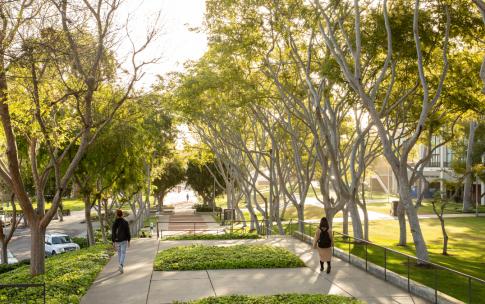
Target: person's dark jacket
120 231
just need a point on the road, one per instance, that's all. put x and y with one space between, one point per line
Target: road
20 243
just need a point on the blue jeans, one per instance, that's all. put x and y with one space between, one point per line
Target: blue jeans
122 252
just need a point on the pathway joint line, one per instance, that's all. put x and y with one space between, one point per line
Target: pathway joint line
212 285
151 275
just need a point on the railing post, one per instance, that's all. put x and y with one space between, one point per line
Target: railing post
409 286
44 292
310 229
348 241
193 231
385 264
158 232
333 240
366 256
469 290
435 285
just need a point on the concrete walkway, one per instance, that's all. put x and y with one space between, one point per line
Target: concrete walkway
130 287
345 279
140 284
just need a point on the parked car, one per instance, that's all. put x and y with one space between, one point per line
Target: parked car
58 243
11 259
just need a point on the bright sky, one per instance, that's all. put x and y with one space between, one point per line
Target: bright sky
176 43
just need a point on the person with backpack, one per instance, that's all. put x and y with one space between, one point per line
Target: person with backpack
120 236
323 242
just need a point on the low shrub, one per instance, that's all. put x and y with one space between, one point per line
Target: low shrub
224 236
205 208
9 267
277 299
81 241
67 277
201 257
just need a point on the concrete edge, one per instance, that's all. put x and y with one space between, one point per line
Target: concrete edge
395 279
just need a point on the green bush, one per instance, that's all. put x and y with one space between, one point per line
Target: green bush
67 277
9 267
81 241
225 236
205 208
200 257
277 299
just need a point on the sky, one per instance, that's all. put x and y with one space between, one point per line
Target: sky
176 43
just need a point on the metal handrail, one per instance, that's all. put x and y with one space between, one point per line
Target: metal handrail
412 257
26 285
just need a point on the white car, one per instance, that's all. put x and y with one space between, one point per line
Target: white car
59 243
11 259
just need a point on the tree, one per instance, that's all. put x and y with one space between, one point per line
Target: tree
81 77
167 175
5 238
203 177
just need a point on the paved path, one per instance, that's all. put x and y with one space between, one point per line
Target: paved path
345 279
140 284
132 286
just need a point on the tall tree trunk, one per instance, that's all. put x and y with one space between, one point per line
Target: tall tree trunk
102 221
468 183
356 222
412 213
4 252
301 218
37 248
401 216
89 223
345 223
445 235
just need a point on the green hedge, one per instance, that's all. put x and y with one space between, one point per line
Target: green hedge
9 267
200 257
81 241
277 299
205 208
225 236
68 276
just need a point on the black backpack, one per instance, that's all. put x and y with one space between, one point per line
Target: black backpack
324 241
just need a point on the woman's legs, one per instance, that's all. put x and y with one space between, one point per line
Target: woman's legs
328 267
321 265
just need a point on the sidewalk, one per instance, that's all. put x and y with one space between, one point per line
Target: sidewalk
132 286
345 279
140 284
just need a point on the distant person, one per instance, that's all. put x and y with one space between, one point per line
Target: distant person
187 197
120 236
323 242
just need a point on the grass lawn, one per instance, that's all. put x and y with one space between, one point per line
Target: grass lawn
72 204
277 299
426 208
68 276
201 257
224 236
466 250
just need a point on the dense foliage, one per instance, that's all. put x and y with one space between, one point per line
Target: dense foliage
200 257
225 236
277 299
67 277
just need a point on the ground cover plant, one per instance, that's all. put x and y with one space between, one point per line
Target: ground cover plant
222 236
277 299
68 276
200 257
